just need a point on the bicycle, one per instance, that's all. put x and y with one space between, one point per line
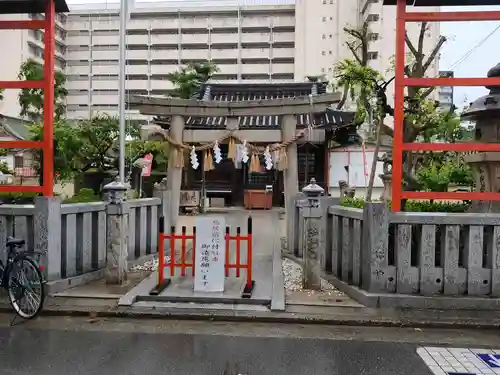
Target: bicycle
14 278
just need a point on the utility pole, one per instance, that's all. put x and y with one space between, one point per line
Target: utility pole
122 76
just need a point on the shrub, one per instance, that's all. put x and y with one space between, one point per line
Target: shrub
17 198
416 206
83 196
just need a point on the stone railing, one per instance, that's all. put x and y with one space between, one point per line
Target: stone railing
385 259
143 227
78 248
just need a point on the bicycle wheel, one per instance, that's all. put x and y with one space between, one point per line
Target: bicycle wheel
25 287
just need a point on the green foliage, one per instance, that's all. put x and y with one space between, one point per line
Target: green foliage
31 100
83 196
189 79
438 176
67 146
359 83
415 206
4 168
17 198
93 144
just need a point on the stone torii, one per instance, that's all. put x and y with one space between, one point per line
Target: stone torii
178 109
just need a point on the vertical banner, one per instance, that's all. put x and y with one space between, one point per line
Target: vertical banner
210 254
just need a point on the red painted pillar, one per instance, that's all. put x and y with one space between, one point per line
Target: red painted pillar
399 93
48 105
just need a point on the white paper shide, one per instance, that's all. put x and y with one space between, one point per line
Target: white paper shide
210 254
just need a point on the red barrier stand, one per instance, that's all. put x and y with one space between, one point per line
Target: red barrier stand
183 263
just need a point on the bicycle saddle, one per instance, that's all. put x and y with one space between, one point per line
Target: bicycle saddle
12 241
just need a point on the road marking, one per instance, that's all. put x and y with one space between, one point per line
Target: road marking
461 361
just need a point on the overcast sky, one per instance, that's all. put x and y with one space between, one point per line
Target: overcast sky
462 37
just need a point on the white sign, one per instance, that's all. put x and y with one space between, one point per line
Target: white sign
210 254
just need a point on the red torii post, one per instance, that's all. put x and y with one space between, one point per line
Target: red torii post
402 17
49 7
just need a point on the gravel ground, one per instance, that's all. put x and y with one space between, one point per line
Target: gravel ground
292 273
150 265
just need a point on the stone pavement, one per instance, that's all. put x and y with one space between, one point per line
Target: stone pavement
265 239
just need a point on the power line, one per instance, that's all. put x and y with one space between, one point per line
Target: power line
473 49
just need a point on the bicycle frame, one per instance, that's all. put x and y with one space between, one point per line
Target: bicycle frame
12 255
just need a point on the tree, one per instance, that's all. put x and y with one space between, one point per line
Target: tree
93 145
356 77
422 117
67 148
31 100
188 80
1 94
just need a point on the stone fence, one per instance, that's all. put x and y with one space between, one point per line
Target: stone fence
406 259
74 237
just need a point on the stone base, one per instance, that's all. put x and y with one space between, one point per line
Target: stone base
486 169
387 193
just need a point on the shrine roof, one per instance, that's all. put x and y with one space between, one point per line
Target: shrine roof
246 92
30 6
448 3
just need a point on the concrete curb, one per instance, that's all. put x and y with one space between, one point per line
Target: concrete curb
345 317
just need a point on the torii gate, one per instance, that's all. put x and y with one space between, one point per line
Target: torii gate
402 17
49 7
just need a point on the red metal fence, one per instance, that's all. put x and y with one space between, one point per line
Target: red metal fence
182 263
401 81
47 85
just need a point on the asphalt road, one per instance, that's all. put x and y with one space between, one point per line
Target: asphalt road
60 346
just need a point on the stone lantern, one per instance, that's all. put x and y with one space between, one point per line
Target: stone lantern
485 112
386 177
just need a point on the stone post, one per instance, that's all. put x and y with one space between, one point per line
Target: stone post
160 190
291 179
174 174
312 236
47 234
117 233
376 274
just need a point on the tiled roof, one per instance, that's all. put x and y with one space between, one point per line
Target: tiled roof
239 92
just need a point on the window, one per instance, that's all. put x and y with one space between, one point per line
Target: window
323 37
372 55
323 53
324 19
329 52
373 17
373 36
19 160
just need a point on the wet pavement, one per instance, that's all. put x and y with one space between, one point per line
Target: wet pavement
92 346
57 352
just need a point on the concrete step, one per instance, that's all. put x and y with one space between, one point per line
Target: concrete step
203 306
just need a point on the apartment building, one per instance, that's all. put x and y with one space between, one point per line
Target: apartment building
18 46
446 92
251 41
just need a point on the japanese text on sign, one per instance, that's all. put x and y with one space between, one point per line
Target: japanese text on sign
210 254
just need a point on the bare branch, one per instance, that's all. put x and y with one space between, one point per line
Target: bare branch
387 130
410 45
427 92
423 29
344 97
434 53
354 52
